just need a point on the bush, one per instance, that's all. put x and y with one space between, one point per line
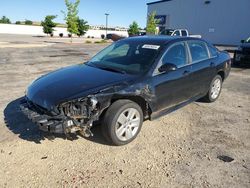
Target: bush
88 42
100 42
82 27
69 35
5 20
92 37
48 24
28 22
134 29
61 35
18 22
103 36
51 34
88 37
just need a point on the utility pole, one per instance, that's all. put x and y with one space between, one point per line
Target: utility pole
107 15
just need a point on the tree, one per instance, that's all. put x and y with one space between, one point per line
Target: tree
5 20
133 29
28 22
152 24
83 27
18 22
48 24
71 17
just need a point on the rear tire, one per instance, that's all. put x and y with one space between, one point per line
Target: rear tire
214 90
122 122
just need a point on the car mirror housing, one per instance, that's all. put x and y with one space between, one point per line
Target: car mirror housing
168 67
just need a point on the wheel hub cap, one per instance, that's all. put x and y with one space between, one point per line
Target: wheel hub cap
215 91
127 124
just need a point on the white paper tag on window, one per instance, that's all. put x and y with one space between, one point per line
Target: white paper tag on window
152 47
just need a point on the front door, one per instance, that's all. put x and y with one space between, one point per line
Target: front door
173 88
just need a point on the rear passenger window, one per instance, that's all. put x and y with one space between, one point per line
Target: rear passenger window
213 50
183 33
176 55
198 51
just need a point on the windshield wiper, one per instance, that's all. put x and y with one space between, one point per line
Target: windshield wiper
112 69
106 68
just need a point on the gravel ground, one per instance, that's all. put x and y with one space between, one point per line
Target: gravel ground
191 147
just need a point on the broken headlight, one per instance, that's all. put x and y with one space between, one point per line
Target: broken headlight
80 109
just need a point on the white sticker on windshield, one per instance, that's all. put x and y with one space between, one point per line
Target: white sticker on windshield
149 46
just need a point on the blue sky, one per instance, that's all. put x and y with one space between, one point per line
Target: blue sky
122 12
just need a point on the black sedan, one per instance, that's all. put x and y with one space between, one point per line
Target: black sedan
132 80
242 54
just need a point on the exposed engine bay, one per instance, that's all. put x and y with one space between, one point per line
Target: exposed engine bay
69 117
80 115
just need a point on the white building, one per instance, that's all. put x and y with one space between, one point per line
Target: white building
95 32
218 21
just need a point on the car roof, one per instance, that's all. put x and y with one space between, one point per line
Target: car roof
159 39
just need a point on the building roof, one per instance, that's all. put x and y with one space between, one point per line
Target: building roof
158 2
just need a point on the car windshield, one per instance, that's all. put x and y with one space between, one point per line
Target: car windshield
127 57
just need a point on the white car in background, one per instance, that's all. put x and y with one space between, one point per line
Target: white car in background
178 32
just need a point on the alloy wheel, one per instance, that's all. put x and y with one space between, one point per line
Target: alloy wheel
127 124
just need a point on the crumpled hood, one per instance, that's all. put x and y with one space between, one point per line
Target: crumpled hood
79 80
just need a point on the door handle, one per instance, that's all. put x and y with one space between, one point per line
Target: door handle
212 64
185 73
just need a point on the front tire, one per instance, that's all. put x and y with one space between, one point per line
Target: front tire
122 122
214 90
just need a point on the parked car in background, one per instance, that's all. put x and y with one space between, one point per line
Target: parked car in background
115 37
178 32
242 54
130 81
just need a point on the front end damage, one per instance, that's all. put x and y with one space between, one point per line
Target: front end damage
79 115
69 117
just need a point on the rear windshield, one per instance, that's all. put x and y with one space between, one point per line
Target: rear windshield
167 32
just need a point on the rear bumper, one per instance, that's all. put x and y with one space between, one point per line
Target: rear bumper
46 123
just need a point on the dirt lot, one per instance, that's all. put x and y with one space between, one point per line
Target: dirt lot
182 149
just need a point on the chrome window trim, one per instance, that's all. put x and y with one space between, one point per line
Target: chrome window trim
208 52
189 56
210 55
160 63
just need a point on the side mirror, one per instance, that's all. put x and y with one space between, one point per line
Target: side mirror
168 67
242 41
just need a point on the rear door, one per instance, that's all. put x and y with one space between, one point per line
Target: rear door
203 67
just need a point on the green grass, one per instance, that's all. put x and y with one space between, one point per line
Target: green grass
88 42
100 42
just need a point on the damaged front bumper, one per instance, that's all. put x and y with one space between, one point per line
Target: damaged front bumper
70 118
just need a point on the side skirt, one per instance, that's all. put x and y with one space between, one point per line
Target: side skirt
157 115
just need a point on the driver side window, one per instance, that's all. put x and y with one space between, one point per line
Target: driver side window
176 55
